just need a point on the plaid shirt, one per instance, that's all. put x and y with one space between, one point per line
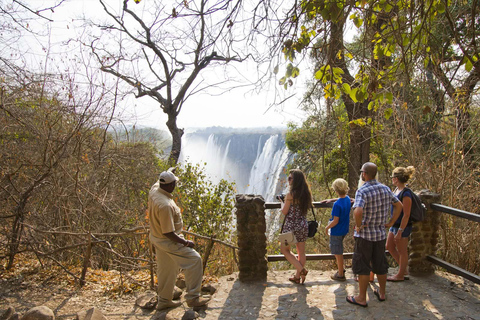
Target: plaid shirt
375 199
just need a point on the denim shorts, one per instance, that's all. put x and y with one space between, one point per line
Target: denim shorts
336 244
406 232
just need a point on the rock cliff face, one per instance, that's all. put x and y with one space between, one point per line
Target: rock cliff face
254 161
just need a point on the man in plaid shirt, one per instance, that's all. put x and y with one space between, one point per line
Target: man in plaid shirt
372 208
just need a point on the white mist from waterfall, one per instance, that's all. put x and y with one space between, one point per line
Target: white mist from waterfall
268 179
262 174
265 174
211 155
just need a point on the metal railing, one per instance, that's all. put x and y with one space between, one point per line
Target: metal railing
448 266
311 257
433 259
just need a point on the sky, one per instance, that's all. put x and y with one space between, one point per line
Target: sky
233 109
243 107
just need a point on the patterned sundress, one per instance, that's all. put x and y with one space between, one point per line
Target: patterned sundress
296 222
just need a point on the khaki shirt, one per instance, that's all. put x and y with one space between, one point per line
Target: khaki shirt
163 212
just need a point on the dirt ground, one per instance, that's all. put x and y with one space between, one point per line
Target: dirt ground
439 296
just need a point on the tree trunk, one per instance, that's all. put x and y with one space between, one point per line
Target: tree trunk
359 141
208 251
359 152
15 237
17 226
176 138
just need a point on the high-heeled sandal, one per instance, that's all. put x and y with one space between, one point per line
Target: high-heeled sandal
303 274
294 279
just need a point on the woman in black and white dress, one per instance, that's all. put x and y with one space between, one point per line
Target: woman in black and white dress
295 207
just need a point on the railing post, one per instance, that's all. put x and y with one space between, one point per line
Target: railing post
424 238
251 238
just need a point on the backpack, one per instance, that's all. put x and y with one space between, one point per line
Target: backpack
418 210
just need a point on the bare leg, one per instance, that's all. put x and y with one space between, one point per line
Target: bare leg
402 246
382 282
340 265
285 250
361 298
302 257
392 247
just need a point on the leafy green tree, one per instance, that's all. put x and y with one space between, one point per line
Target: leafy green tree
368 75
320 144
207 207
409 84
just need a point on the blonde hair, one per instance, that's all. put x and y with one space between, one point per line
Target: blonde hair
340 186
403 174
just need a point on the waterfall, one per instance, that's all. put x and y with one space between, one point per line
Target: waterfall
225 157
208 152
264 177
254 161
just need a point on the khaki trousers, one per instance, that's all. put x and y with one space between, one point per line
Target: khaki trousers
171 257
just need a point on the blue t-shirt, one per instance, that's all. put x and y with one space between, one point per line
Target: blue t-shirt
341 209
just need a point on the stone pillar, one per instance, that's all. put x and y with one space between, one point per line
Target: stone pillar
424 237
251 238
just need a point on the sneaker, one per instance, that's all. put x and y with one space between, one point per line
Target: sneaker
198 302
336 276
161 305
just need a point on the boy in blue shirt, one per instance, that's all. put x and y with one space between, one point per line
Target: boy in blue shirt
338 225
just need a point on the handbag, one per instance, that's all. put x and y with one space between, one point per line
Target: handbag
312 226
287 238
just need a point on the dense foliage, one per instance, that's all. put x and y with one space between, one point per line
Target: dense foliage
66 185
62 172
403 91
207 207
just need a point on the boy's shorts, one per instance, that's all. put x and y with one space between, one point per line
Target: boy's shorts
336 244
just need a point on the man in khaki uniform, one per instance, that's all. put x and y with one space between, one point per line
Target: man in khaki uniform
173 251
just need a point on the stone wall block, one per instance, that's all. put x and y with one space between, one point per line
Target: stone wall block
424 236
252 241
419 248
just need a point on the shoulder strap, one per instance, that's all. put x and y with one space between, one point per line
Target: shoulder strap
313 213
400 195
285 218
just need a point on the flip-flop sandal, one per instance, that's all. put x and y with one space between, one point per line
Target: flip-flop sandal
352 301
395 280
406 278
377 293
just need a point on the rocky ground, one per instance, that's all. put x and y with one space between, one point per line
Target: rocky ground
439 296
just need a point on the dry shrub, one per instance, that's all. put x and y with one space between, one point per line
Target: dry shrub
447 163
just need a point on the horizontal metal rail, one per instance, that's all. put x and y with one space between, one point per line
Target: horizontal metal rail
316 205
456 212
313 257
435 260
454 269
